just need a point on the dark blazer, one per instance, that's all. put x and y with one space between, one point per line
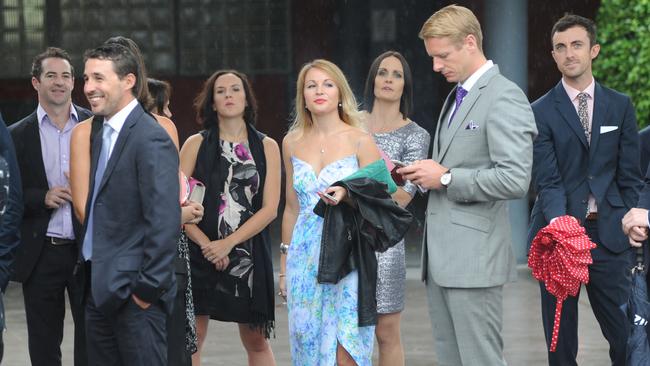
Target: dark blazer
25 134
136 216
644 144
566 169
10 220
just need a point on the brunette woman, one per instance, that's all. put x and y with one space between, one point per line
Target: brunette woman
232 275
388 101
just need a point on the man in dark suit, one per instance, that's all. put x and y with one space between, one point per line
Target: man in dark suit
45 261
11 214
586 164
644 141
133 221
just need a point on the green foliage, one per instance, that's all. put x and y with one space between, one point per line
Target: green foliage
624 60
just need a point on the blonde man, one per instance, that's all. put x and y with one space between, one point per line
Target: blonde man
481 157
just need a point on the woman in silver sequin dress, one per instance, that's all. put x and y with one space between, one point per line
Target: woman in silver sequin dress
388 101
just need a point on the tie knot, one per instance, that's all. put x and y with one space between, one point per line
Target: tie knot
460 94
583 97
107 131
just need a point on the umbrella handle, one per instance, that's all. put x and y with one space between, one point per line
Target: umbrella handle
640 262
556 325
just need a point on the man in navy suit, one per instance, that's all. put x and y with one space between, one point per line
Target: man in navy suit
586 164
49 249
644 142
133 222
11 214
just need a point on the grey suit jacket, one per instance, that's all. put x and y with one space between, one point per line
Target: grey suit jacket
489 150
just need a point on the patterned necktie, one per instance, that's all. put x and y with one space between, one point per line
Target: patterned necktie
460 94
583 114
107 134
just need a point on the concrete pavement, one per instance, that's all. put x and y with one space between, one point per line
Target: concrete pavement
523 335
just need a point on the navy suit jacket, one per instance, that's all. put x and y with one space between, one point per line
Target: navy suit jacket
644 142
566 169
10 220
136 216
26 136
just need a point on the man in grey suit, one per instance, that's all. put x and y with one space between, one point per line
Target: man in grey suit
482 157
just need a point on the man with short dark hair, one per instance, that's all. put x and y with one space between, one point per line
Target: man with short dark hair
46 259
11 213
133 218
586 165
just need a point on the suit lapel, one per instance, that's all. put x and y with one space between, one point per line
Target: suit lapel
597 120
96 147
465 107
568 112
122 138
34 138
441 122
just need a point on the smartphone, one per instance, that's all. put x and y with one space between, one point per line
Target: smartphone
198 193
399 164
397 178
329 197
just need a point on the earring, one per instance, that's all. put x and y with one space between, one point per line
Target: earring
340 105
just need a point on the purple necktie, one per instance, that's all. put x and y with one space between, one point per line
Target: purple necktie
460 94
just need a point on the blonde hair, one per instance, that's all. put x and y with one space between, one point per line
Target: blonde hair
348 111
455 22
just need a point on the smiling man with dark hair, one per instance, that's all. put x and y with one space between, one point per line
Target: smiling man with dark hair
49 249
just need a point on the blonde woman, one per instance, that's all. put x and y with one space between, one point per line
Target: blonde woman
323 146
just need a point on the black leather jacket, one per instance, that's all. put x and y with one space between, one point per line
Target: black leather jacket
351 235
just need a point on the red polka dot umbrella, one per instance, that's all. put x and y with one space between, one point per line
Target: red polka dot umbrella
559 257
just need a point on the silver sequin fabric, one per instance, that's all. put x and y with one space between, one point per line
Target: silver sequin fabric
406 144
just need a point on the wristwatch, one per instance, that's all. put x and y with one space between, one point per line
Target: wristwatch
445 179
284 248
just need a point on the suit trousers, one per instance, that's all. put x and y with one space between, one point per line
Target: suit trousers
466 324
132 336
44 297
608 290
2 326
177 353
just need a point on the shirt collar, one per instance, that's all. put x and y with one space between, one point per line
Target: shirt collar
469 83
573 92
41 114
118 120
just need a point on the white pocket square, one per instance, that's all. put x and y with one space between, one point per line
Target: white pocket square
472 125
605 129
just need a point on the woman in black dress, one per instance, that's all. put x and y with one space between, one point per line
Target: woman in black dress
232 274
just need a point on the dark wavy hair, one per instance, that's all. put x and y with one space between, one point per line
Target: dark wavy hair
50 52
141 90
203 104
406 101
124 62
572 20
160 92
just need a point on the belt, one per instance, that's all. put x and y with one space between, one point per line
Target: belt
592 216
58 241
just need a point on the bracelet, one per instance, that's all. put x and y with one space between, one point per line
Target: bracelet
284 248
282 275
